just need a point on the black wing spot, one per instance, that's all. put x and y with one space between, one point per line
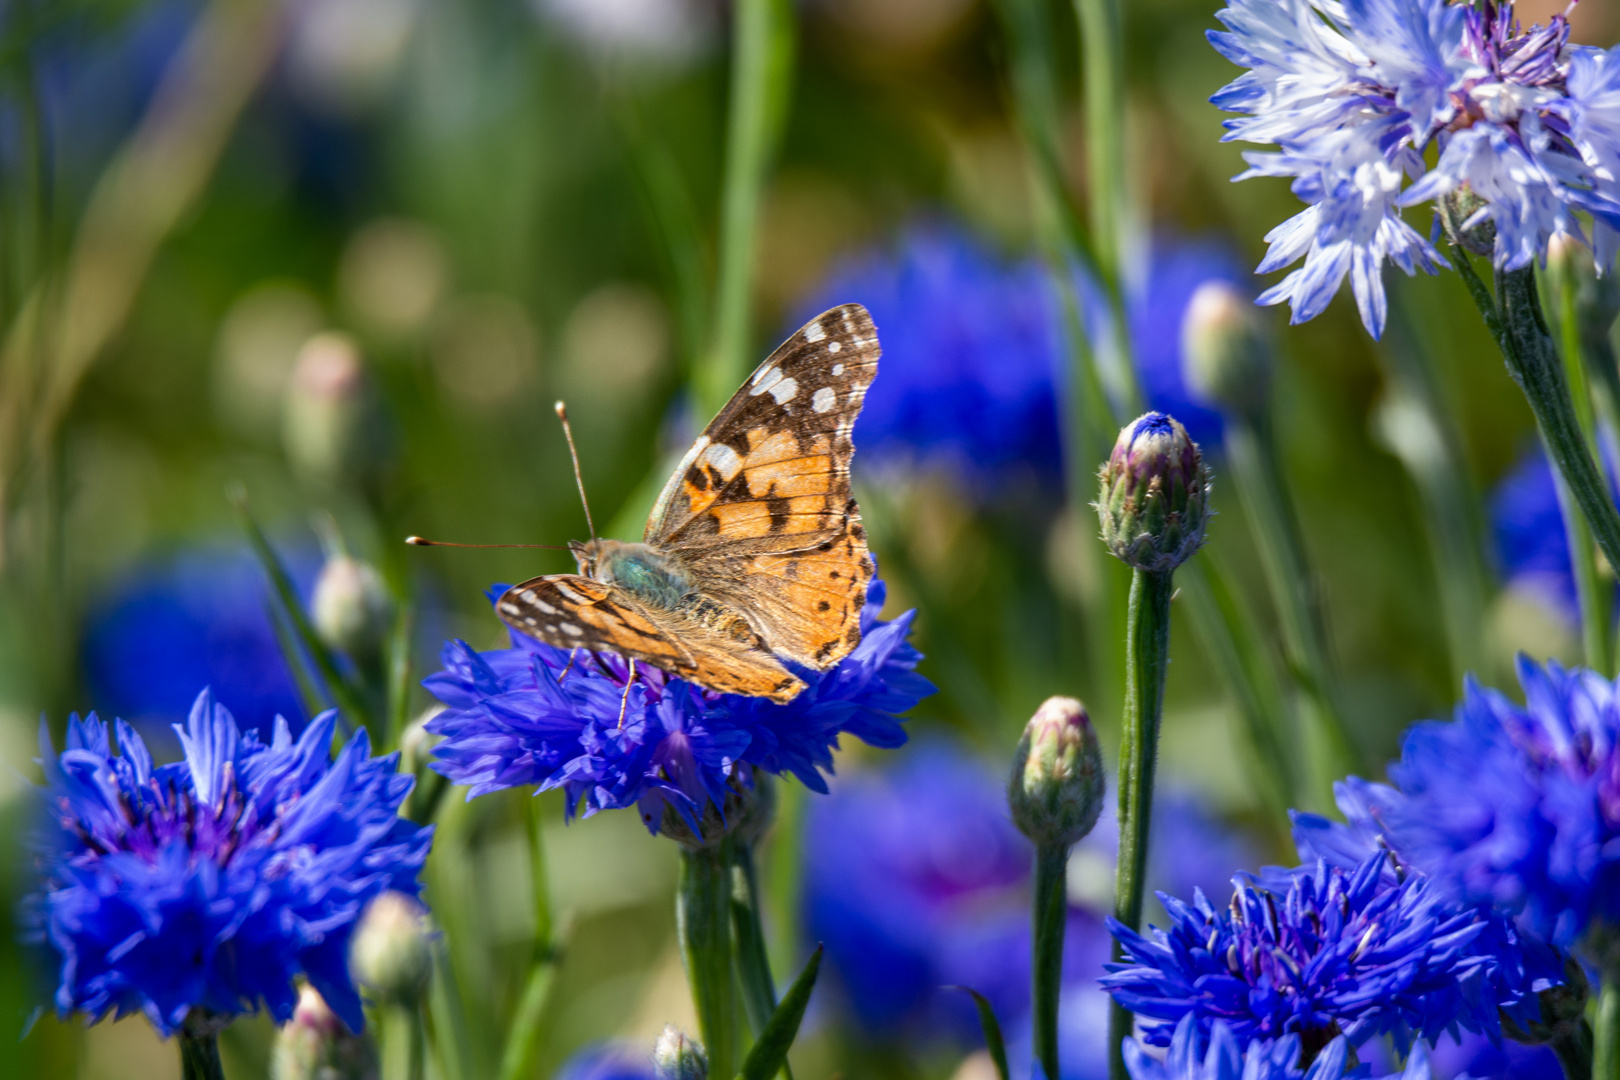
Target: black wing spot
823 606
833 574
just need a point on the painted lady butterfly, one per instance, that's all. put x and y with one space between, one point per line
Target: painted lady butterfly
754 550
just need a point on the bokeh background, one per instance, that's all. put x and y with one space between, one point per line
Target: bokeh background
345 253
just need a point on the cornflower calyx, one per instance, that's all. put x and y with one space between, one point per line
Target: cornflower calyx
1056 788
1154 502
678 1056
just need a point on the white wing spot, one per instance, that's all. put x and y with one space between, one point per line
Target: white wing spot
835 346
572 630
785 391
511 609
824 399
725 460
814 332
545 607
838 369
572 595
765 380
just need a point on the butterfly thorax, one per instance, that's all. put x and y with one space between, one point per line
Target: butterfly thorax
638 569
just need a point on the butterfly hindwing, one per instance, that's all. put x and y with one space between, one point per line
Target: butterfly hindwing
771 473
568 611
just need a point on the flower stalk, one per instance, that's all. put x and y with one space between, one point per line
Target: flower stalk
703 921
1606 1032
1050 911
199 1052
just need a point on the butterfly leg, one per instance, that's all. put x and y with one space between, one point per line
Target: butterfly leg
573 654
624 701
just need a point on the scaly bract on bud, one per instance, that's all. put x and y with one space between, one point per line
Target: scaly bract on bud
1154 501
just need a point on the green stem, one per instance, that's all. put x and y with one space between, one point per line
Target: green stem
1254 459
199 1056
703 921
1103 52
1606 1032
523 1035
1532 359
1046 960
1147 658
761 71
416 1066
1574 1050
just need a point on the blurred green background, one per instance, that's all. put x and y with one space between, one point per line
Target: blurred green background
496 203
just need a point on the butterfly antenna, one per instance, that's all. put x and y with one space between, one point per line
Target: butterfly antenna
568 433
417 541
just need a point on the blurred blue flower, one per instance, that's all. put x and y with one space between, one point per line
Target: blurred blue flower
1353 95
513 719
973 352
915 879
199 618
1220 1056
1321 950
1532 546
212 883
608 1061
1519 806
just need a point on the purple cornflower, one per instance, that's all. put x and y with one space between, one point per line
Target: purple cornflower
536 715
213 882
1519 806
1322 951
1220 1056
1353 93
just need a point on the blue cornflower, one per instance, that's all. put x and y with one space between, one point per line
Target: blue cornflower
973 352
1532 545
1219 1056
1353 94
537 715
213 882
1519 806
196 619
1321 951
915 877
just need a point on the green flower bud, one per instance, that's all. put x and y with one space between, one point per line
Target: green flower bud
1154 502
331 428
1458 210
391 953
314 1045
1226 357
1056 789
351 608
678 1056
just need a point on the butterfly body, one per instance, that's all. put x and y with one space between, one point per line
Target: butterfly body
754 552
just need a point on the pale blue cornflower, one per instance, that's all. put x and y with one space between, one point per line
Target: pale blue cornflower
1353 92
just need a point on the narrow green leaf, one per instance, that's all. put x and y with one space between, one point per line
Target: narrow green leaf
993 1042
336 686
769 1054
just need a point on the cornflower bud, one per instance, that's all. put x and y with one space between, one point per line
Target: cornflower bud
351 608
390 953
1457 209
1226 358
1154 502
1056 789
329 426
678 1056
314 1045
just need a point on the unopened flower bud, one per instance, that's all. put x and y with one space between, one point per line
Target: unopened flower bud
351 608
1466 222
678 1056
329 422
1226 359
1154 502
391 953
1056 789
314 1045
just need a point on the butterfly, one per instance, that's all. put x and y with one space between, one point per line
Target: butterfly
754 552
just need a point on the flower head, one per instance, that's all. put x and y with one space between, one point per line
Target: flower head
213 882
1519 806
1322 951
1219 1056
1353 94
1056 788
534 714
678 1056
1154 502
